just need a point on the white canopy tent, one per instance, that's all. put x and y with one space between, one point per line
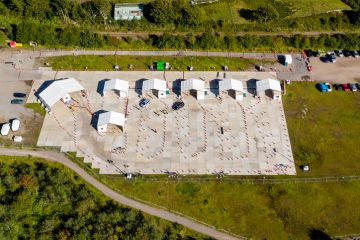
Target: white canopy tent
106 118
233 87
269 87
195 85
156 85
59 89
121 86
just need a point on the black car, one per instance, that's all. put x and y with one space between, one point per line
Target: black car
19 95
178 105
316 53
338 87
308 53
347 53
358 85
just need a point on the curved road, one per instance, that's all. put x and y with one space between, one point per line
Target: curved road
60 158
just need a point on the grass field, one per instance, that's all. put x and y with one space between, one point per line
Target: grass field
229 9
143 63
328 136
324 129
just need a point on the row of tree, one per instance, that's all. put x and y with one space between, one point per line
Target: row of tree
38 201
72 36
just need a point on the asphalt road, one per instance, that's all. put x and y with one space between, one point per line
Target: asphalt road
60 158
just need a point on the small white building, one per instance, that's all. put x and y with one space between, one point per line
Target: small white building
106 118
269 87
196 87
128 11
121 87
234 88
287 60
59 90
157 86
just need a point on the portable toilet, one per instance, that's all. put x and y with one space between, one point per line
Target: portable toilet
160 65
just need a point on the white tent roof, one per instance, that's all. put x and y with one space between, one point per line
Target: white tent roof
193 83
230 84
155 83
112 118
58 89
268 83
116 84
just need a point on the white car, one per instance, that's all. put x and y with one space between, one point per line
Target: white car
329 87
15 125
17 139
5 128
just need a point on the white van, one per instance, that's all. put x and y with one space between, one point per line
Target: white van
5 128
15 125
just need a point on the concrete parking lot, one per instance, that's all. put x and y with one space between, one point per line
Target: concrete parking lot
159 140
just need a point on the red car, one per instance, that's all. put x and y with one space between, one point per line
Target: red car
345 87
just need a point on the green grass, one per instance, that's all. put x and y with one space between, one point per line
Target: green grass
143 63
328 135
37 108
221 10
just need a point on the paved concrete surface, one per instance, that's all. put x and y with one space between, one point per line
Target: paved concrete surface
158 140
60 158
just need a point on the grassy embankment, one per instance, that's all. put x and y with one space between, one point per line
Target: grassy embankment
326 138
143 63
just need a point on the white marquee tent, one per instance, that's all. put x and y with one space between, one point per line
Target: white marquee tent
196 85
59 89
110 118
234 87
156 85
269 85
121 86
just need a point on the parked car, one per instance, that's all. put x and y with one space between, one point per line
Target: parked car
347 53
15 124
5 128
358 86
316 53
332 57
143 102
352 87
178 105
308 53
355 54
338 87
19 95
309 68
329 87
322 87
17 101
345 87
340 53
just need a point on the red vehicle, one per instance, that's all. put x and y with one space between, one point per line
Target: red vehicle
309 68
345 87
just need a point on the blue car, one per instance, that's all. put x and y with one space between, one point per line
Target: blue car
322 87
143 102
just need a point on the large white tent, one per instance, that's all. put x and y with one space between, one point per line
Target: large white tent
121 86
233 87
59 89
110 118
270 86
195 85
156 85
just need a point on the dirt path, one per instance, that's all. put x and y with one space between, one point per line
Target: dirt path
60 158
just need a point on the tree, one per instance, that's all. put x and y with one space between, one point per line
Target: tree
265 14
